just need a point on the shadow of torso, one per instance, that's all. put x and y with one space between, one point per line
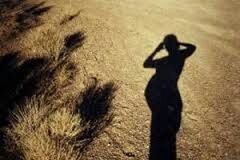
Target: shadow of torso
162 92
164 100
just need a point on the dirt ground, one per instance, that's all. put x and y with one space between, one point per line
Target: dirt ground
122 34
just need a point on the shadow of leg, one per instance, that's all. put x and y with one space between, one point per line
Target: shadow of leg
162 143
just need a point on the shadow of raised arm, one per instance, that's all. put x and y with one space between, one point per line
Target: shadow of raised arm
149 62
189 49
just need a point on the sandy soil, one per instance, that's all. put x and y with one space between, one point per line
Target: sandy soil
120 36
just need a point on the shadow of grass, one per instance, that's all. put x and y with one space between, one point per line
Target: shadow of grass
69 18
96 110
22 78
30 17
19 16
9 4
16 75
71 43
16 84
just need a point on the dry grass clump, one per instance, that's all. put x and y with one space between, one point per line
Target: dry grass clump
37 135
18 17
40 130
42 115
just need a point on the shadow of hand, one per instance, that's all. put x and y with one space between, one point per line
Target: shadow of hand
159 47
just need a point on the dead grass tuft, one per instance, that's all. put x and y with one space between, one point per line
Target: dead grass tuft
18 17
41 115
41 129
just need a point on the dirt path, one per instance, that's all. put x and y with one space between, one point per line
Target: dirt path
120 36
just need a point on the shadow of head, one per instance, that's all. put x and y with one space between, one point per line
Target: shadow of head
171 43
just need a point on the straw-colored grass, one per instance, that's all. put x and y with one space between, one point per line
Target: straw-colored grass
44 115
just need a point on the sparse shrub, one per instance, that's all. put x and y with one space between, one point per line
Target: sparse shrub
41 130
41 117
38 133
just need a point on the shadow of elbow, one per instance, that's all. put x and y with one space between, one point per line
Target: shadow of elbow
193 48
146 65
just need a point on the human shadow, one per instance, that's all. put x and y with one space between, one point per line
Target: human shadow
163 96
